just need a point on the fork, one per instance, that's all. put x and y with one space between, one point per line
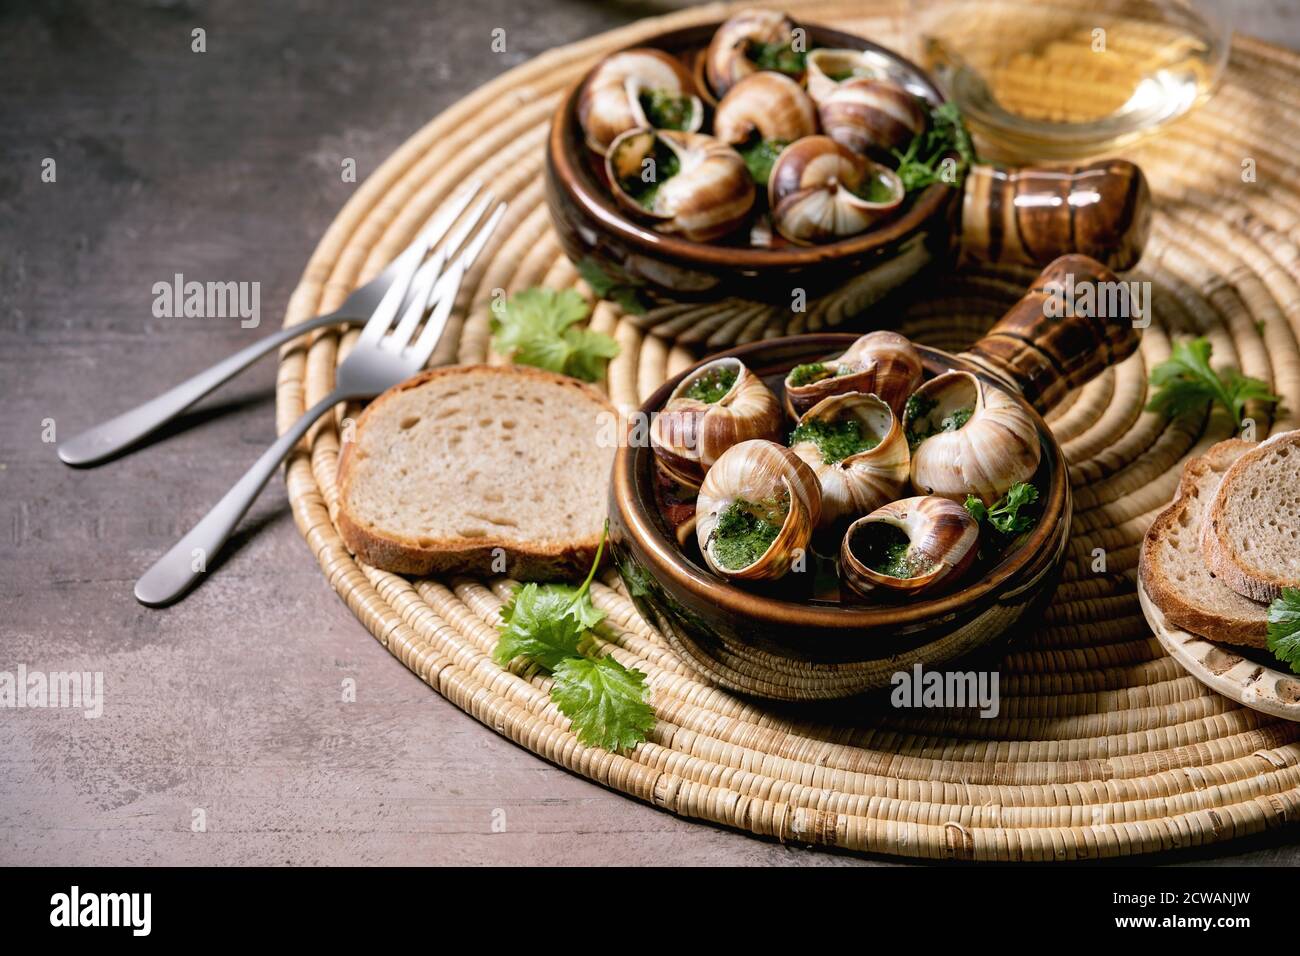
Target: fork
107 439
382 357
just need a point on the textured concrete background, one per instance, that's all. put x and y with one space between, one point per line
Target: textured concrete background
225 166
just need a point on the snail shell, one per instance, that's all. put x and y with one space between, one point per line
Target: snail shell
759 472
828 67
610 101
814 186
868 479
871 116
727 60
767 104
942 546
996 447
883 363
689 435
709 196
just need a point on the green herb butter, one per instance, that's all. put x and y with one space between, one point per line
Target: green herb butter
712 385
835 441
889 552
746 529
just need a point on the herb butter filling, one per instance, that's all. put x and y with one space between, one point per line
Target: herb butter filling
781 57
816 372
874 189
746 529
712 386
919 427
835 441
666 110
759 156
663 166
888 551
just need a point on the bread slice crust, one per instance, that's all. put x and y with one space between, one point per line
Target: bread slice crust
423 555
1206 607
1222 553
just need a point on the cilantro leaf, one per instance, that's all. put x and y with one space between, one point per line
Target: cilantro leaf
536 327
922 164
1006 516
537 623
1284 628
605 701
976 508
1185 383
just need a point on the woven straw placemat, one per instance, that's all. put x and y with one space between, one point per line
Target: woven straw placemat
1104 746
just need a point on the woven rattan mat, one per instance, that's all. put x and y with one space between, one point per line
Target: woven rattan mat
1104 746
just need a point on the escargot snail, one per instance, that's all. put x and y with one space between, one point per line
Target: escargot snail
637 88
855 446
719 405
820 190
828 67
760 115
690 184
756 511
909 547
883 363
750 41
871 116
968 438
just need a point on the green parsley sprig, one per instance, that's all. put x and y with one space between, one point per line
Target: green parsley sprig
1005 517
1185 383
1284 628
538 327
922 164
605 701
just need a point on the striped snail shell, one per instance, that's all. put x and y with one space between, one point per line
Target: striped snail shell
975 439
610 102
766 105
871 117
828 67
865 480
709 194
820 191
767 480
689 434
728 60
883 363
935 542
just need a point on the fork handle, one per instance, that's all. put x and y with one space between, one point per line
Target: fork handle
107 439
177 571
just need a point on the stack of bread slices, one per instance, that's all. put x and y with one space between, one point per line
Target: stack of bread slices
1230 541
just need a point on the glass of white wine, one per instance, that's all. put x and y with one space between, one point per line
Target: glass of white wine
1053 79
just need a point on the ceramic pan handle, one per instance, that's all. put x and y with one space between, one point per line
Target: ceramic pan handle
1076 320
1031 215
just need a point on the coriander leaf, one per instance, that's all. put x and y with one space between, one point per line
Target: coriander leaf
537 623
921 165
605 701
534 328
1185 383
1284 628
624 294
976 508
1005 515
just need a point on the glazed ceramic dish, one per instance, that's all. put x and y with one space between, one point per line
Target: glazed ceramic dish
789 644
1027 216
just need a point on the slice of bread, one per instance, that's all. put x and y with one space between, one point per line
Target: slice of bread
460 466
1171 566
1251 535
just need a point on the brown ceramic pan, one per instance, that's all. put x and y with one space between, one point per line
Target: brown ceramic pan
771 643
1028 216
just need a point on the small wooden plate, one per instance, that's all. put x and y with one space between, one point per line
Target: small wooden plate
1237 673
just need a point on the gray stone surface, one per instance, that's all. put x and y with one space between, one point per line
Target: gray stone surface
225 166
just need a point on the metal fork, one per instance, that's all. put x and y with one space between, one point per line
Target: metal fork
381 358
107 439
